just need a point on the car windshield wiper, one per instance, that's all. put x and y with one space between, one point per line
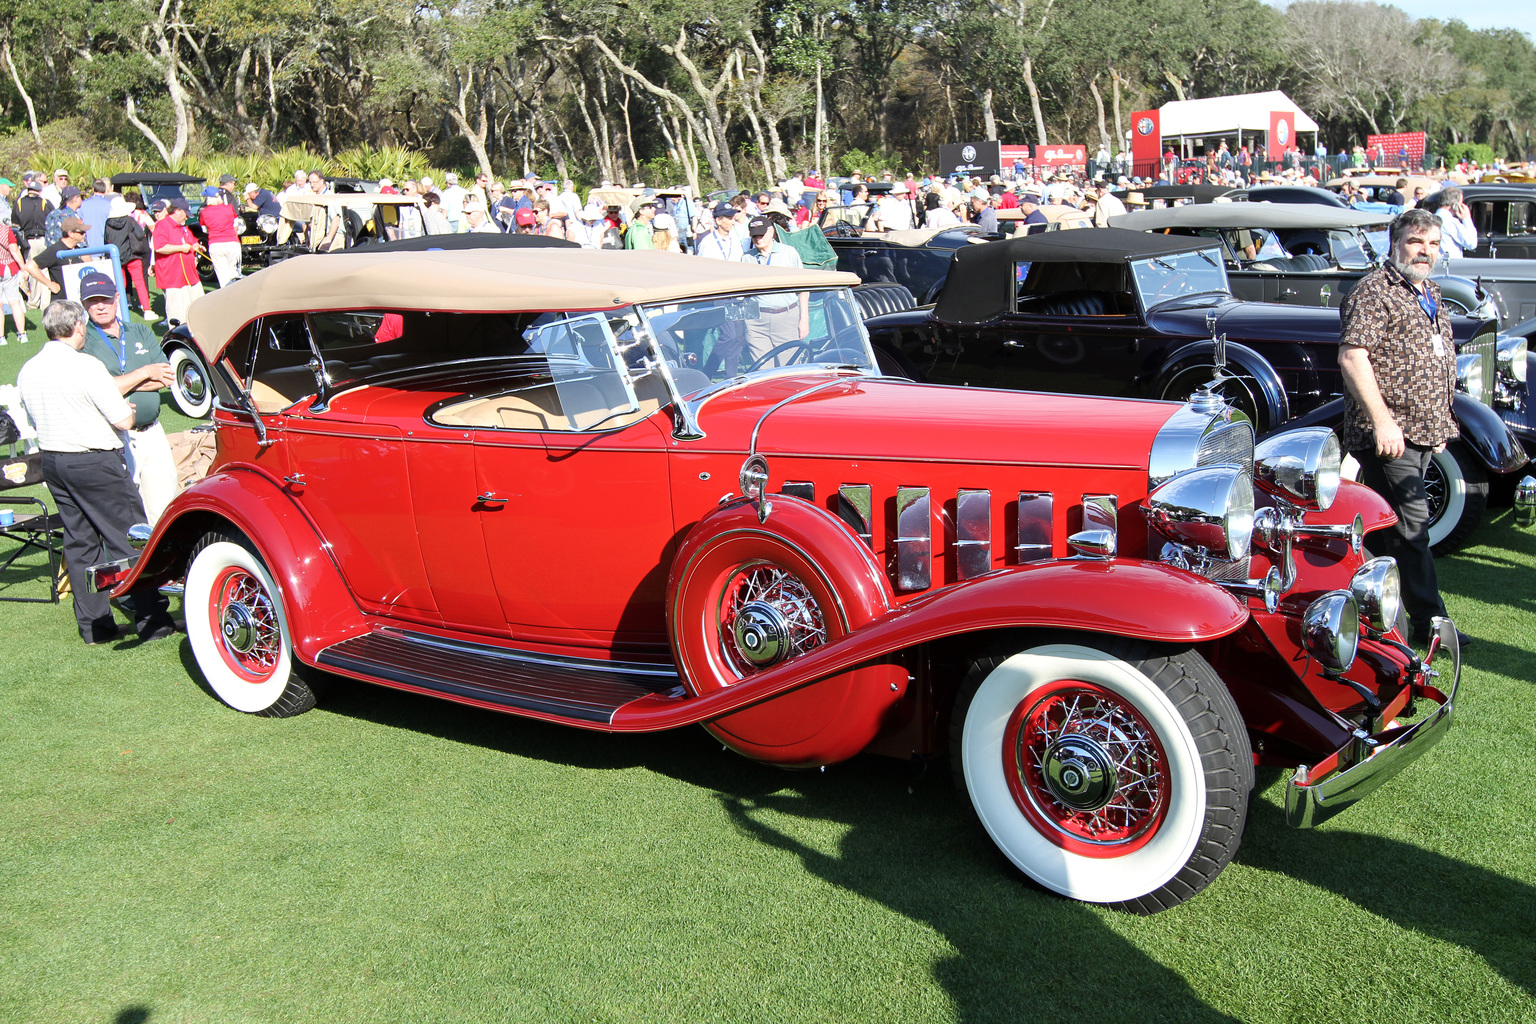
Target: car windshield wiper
1158 261
1205 254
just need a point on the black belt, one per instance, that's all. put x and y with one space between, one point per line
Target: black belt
140 430
781 309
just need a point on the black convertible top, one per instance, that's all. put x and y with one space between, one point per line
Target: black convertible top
155 178
982 279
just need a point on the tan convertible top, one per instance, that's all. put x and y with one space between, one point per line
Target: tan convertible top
534 279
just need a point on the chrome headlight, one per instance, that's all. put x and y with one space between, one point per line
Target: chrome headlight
1330 630
1469 371
1210 508
1511 359
1301 466
1377 590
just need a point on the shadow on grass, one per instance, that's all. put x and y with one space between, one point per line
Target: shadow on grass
1472 907
916 851
132 1015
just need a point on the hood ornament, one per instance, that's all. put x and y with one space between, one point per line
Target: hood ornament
1209 398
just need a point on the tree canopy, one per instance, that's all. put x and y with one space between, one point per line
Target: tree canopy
729 92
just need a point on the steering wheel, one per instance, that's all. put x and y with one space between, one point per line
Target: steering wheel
770 357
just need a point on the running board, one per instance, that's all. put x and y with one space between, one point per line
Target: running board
520 682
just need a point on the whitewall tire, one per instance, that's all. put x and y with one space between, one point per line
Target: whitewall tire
239 630
1107 770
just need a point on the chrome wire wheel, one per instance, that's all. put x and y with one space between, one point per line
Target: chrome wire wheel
767 614
1083 762
246 624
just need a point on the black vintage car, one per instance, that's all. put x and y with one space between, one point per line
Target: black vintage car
1505 218
1297 254
1116 312
918 259
1304 195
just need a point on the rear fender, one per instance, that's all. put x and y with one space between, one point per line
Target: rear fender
318 605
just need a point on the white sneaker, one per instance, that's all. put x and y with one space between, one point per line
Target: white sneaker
150 316
4 340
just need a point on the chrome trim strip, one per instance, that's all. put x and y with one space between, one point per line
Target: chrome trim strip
757 428
526 657
914 539
853 508
1036 527
973 533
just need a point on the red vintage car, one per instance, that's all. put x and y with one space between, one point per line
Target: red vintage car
633 491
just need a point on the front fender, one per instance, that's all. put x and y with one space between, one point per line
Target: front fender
316 600
1128 597
1483 432
1241 360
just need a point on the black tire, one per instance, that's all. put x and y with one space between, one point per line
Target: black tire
1457 486
191 384
1157 716
232 603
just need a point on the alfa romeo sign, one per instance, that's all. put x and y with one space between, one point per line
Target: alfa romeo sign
971 158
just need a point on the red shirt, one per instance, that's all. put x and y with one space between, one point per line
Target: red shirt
9 266
219 221
178 269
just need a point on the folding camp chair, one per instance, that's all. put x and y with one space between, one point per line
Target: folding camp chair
32 531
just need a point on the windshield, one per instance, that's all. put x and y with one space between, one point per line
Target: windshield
715 339
1162 278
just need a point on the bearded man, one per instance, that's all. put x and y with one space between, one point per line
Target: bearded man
1399 366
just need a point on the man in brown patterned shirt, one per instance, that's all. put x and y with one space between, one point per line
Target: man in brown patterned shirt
1399 367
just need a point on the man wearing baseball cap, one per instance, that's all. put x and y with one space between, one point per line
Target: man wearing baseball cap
783 317
51 259
79 416
133 357
722 243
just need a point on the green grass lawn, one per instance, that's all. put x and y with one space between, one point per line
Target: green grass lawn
388 857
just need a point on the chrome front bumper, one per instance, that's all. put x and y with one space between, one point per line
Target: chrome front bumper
1313 795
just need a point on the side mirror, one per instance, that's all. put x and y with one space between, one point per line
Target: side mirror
322 385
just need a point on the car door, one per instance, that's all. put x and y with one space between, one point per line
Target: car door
574 503
1518 242
348 473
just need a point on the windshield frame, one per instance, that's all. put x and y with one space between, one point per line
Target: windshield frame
687 406
1209 261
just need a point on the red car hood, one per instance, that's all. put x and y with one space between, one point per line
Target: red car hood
893 421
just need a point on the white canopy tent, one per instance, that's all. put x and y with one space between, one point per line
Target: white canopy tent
1228 117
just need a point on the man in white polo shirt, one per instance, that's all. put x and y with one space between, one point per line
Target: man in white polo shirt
79 414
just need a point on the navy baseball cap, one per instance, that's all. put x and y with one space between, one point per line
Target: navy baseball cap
96 285
724 210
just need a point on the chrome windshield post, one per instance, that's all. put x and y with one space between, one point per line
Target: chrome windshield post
685 425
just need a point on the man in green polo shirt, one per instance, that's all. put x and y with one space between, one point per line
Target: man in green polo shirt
133 356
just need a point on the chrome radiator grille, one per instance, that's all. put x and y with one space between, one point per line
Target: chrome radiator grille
1484 343
1227 444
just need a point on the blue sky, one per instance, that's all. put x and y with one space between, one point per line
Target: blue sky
1518 15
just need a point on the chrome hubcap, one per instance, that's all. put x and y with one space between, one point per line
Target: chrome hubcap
239 628
762 633
767 615
1080 773
192 384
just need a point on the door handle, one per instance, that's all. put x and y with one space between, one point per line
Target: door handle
295 481
1014 343
489 499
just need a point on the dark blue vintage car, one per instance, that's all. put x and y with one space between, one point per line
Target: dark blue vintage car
1126 313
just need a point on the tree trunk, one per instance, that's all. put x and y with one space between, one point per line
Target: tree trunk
1114 77
821 119
1178 86
988 118
1034 98
1098 101
5 50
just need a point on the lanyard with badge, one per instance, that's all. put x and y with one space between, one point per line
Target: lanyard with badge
121 353
1431 307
